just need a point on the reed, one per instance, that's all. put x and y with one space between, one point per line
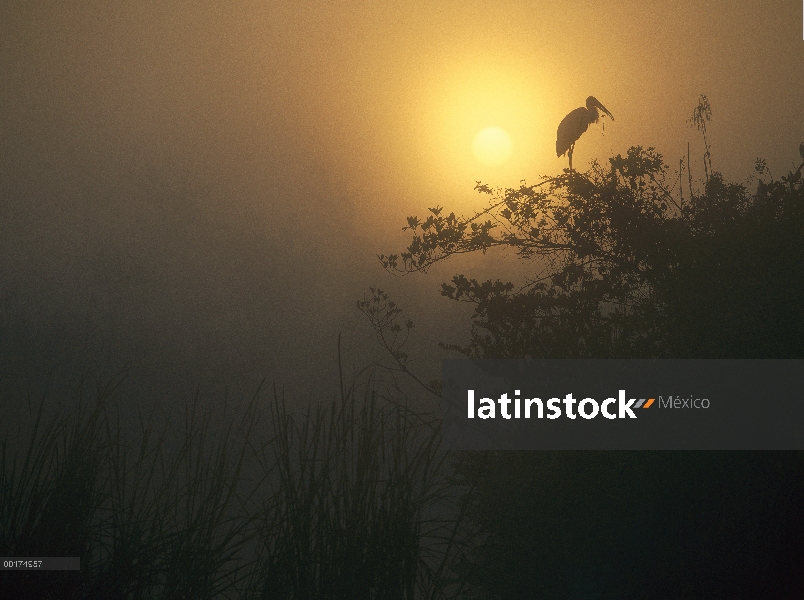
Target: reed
352 514
347 499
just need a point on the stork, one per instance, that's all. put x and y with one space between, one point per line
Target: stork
575 123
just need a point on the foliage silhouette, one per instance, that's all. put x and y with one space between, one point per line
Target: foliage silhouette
627 271
700 117
623 269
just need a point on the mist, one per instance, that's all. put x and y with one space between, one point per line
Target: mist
195 195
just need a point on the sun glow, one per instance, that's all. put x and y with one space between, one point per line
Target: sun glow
482 121
492 146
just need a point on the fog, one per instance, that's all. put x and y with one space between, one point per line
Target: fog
195 193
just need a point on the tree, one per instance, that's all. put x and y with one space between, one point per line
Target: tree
629 272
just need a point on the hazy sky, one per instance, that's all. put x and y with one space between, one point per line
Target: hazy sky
200 188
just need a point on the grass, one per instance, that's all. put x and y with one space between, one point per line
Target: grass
347 500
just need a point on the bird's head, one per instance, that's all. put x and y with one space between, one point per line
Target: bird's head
593 104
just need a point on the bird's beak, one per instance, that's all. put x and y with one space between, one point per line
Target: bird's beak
604 109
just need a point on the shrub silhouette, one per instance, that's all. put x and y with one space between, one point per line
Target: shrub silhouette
628 270
631 271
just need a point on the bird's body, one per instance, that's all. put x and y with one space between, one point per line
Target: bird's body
575 124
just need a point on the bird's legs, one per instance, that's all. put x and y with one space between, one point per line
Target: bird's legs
571 148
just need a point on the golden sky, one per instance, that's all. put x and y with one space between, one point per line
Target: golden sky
300 134
389 96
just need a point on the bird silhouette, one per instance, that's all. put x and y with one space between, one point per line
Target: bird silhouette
575 123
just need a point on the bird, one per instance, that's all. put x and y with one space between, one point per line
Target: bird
575 123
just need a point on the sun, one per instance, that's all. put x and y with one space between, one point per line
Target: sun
492 146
